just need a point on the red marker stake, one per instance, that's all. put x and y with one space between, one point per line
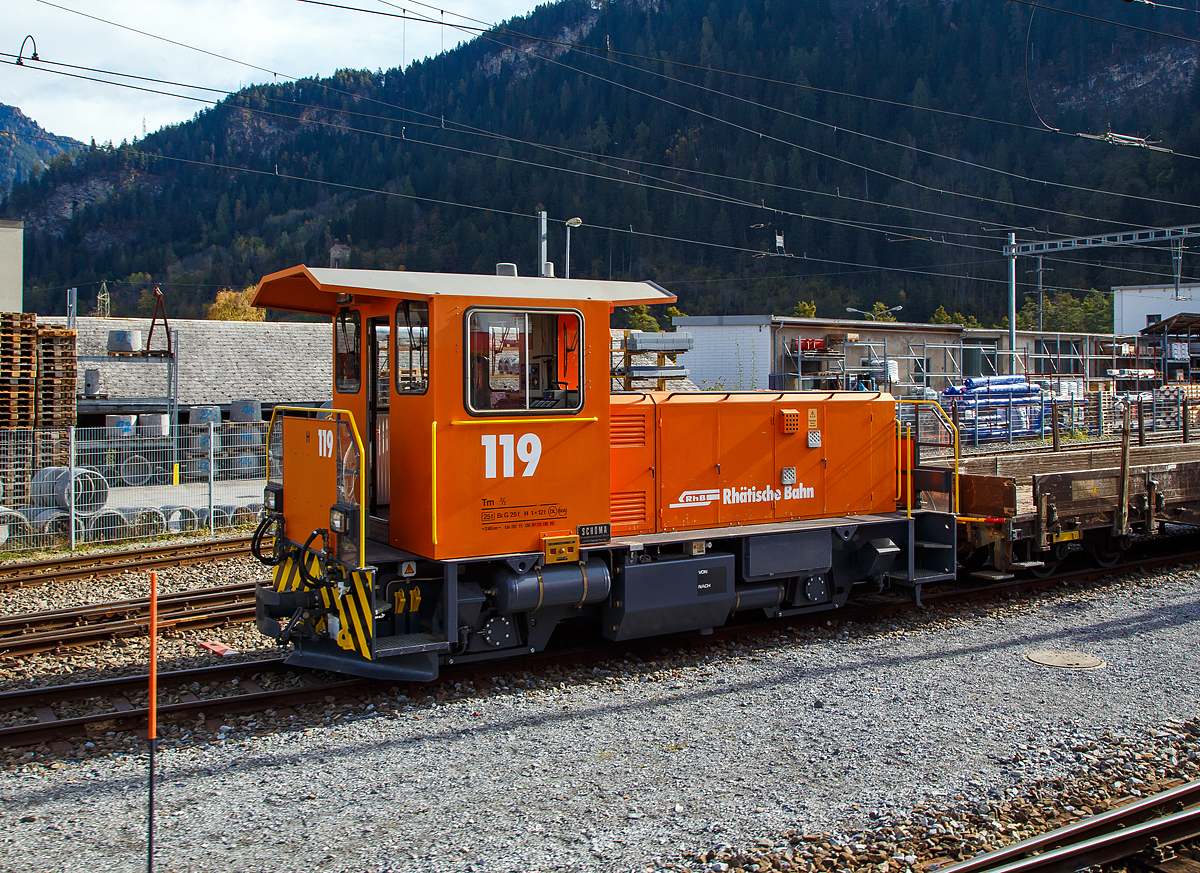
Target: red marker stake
151 730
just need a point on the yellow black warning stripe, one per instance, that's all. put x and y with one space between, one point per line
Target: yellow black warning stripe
287 574
356 612
355 608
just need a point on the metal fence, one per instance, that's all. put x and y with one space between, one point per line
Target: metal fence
1163 414
66 487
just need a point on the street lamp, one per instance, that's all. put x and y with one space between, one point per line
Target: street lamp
571 222
871 315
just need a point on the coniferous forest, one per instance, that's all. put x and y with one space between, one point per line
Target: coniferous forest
686 136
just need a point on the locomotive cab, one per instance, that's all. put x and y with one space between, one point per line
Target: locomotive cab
475 484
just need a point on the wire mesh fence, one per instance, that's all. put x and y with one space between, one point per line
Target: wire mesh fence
1169 413
67 487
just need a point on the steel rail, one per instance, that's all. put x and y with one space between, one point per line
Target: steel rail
33 632
1114 844
124 716
42 699
96 564
1081 832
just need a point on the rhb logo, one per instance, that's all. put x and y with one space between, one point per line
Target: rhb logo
697 498
745 494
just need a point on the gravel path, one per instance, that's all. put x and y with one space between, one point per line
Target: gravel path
828 730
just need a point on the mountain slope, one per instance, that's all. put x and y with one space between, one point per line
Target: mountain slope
442 166
26 154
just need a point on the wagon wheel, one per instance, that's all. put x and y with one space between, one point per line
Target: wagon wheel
1049 568
1106 550
1051 563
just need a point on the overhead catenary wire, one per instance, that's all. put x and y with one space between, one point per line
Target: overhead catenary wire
849 223
1032 180
363 189
676 187
1107 21
427 19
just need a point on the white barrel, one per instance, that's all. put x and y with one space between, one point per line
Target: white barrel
54 526
145 521
153 424
15 532
180 519
245 410
124 340
204 414
107 526
135 471
239 516
196 469
221 518
242 437
248 465
121 425
50 485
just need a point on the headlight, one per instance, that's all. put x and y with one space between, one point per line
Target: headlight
342 518
273 498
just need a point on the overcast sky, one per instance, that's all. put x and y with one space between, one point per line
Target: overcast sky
289 37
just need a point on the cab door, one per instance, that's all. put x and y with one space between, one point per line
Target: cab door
378 370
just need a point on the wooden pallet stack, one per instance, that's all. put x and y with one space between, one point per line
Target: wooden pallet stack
58 369
18 368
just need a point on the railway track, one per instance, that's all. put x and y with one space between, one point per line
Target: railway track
96 564
45 631
112 710
1138 835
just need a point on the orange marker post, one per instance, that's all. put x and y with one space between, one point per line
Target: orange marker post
152 725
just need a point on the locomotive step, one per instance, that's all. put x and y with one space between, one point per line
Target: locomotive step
1027 565
992 575
921 544
919 575
407 644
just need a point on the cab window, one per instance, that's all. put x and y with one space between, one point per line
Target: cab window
524 361
347 352
412 347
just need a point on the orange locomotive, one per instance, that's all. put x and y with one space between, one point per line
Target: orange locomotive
476 484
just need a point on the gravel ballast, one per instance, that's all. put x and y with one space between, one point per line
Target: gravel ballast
178 649
687 762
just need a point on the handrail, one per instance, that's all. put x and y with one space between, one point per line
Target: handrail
910 475
362 463
946 422
433 483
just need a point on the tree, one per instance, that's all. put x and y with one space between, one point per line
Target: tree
641 319
941 316
673 312
806 309
880 311
233 305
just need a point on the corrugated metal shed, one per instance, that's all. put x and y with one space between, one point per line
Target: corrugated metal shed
219 361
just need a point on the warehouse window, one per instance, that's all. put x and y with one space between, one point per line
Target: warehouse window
524 361
347 352
412 347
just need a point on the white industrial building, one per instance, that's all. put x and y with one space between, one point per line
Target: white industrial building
12 265
1136 307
